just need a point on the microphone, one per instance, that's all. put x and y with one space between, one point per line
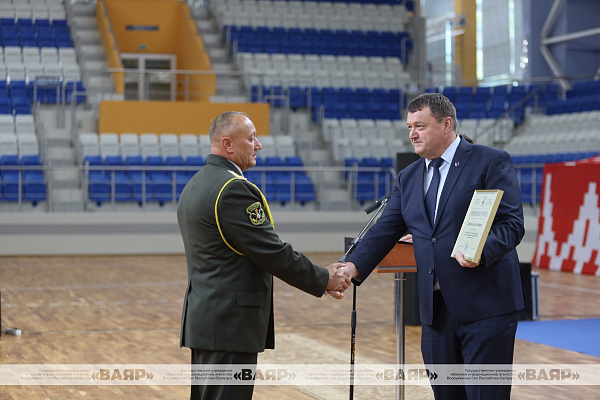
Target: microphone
369 209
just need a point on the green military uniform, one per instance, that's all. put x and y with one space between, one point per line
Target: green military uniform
232 254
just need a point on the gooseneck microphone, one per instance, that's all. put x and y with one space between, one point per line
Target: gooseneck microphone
372 207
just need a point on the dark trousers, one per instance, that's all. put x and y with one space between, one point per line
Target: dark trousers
222 392
488 341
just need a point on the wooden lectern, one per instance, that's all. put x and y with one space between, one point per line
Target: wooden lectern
399 261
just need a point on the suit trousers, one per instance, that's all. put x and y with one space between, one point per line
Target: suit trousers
488 341
222 392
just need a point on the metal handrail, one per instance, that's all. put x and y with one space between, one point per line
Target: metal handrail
347 181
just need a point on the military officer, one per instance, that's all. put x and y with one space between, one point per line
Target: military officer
232 254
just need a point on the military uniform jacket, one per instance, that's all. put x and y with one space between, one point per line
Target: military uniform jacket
232 253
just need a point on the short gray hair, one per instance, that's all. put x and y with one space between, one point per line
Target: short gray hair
224 124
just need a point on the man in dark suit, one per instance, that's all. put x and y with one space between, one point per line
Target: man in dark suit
469 310
232 253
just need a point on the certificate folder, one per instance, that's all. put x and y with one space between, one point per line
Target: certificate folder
477 223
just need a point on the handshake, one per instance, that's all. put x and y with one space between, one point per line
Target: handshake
340 278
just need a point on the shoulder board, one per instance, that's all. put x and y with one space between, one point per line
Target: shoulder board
238 176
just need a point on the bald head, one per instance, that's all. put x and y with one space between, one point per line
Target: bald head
233 136
225 124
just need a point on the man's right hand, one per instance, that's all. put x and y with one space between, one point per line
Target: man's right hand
339 279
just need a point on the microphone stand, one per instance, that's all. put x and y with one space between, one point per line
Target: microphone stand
382 203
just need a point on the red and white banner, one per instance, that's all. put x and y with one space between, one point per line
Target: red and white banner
569 223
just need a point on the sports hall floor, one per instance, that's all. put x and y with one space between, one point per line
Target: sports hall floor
126 310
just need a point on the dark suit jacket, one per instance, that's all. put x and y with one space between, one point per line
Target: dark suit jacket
232 254
492 288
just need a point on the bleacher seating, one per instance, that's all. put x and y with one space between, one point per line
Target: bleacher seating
247 39
371 16
316 53
344 61
544 134
21 179
119 163
188 145
373 179
584 96
343 86
324 70
531 169
353 138
38 62
485 102
168 145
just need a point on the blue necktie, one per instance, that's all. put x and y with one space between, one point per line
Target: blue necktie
431 196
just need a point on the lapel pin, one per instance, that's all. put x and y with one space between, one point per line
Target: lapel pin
456 164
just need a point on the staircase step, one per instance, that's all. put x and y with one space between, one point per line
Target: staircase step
229 86
84 9
93 52
211 40
60 155
96 66
223 67
200 13
228 99
205 25
334 199
67 200
89 36
58 143
65 179
84 22
217 54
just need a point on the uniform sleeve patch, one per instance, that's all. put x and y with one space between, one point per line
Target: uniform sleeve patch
256 213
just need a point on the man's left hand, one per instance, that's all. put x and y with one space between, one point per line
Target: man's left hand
464 263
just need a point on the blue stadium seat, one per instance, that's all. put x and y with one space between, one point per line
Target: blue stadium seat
526 175
21 105
194 161
385 177
35 188
18 88
278 182
70 87
298 97
516 93
30 161
159 180
5 105
99 189
123 189
367 180
181 177
304 188
140 182
450 93
39 22
294 161
10 177
94 161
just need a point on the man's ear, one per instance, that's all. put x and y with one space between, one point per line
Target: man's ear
227 144
448 124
